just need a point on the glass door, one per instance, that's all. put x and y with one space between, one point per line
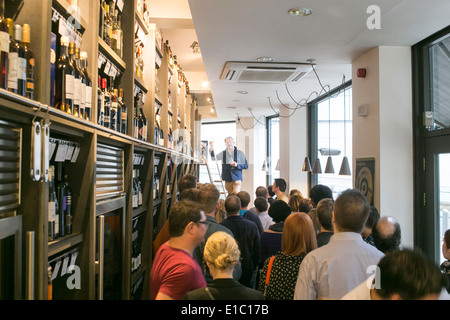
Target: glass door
436 197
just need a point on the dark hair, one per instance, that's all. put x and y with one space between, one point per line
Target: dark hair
281 184
232 204
181 214
261 204
244 196
351 210
373 218
186 182
447 238
261 192
305 205
279 211
270 192
189 194
409 274
208 196
386 234
319 192
324 211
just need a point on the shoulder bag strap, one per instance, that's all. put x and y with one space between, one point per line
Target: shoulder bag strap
209 293
269 270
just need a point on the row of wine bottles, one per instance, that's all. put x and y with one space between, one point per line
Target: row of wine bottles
73 86
112 112
110 26
60 216
137 190
17 63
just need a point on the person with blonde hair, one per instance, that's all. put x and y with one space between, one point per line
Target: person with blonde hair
279 276
221 255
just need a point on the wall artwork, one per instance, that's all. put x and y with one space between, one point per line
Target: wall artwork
365 177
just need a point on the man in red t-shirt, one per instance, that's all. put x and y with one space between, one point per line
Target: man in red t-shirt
175 271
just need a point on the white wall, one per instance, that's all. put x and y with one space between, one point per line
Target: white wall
386 133
294 148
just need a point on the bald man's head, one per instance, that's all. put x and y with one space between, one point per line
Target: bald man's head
387 234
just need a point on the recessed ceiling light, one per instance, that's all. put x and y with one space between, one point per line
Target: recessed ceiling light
303 12
265 59
242 92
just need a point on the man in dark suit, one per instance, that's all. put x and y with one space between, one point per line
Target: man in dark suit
248 238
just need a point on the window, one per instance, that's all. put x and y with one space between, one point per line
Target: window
332 130
215 132
273 148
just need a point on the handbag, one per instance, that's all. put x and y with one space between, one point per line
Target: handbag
269 270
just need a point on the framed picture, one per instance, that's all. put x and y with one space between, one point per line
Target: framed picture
365 177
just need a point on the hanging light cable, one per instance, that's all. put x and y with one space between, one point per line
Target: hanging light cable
329 167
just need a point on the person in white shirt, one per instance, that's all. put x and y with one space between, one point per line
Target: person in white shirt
402 275
262 206
336 268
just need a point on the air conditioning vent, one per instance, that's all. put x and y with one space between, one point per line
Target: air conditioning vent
264 72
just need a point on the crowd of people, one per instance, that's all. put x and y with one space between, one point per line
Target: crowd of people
285 246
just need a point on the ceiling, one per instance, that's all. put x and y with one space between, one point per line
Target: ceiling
333 36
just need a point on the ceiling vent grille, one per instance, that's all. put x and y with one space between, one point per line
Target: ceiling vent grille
264 72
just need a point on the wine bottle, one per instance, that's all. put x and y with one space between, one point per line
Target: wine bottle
100 103
139 188
107 105
143 129
64 79
135 199
21 61
51 204
13 59
76 81
136 117
4 47
69 216
118 112
62 200
114 104
124 119
31 62
82 114
88 88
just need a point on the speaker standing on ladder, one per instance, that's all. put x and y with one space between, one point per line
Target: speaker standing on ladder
233 162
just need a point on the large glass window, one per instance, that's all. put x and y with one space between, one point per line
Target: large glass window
333 137
273 149
440 78
214 132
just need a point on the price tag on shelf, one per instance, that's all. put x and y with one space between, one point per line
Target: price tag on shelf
120 5
75 154
61 152
62 27
107 67
69 152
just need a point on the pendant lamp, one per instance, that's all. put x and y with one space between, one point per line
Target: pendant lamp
264 167
306 165
317 167
277 167
345 167
329 167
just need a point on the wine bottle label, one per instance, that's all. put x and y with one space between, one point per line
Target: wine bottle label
83 95
4 41
51 211
114 106
124 116
69 89
88 96
22 69
77 91
13 70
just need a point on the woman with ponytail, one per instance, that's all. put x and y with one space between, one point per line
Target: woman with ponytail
221 254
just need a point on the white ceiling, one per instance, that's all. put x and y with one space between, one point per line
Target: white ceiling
243 30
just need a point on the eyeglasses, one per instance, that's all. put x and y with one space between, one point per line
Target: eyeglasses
204 223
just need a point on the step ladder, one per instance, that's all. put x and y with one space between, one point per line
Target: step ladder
222 185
